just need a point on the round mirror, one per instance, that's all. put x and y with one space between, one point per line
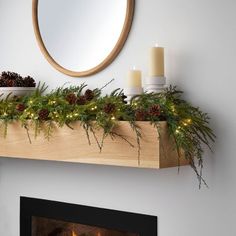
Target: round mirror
81 37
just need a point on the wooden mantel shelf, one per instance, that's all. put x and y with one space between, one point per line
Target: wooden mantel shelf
72 146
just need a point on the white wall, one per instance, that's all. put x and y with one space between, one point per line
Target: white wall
199 36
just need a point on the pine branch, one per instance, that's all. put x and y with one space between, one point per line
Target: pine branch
115 134
27 131
137 131
48 128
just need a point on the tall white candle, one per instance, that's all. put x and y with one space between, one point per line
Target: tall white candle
134 78
156 61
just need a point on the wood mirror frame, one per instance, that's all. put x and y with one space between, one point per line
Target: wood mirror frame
107 61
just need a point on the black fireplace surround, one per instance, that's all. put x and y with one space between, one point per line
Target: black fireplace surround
84 216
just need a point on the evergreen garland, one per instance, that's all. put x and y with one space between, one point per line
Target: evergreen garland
187 125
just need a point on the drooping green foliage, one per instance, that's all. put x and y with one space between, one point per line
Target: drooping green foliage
187 125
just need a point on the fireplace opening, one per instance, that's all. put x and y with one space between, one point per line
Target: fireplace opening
49 218
44 226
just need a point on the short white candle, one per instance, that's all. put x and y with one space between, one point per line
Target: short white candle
134 78
156 61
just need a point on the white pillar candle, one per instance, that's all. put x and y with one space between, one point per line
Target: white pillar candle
156 61
134 78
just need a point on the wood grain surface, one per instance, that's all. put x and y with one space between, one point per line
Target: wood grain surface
72 146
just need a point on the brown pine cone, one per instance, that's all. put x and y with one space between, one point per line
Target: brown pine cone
89 95
3 83
20 107
12 79
71 98
19 82
43 114
140 115
155 111
10 75
28 82
9 79
81 100
109 108
11 83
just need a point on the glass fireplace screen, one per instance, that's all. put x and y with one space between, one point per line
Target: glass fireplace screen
48 227
40 217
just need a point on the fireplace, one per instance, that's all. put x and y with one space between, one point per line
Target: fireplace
49 218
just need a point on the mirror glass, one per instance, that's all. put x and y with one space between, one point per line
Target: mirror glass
80 34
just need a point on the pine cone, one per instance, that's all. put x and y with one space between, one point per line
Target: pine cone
19 82
20 107
43 114
8 79
155 111
5 74
81 100
11 83
12 79
109 108
71 98
140 115
10 75
89 95
3 83
29 82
